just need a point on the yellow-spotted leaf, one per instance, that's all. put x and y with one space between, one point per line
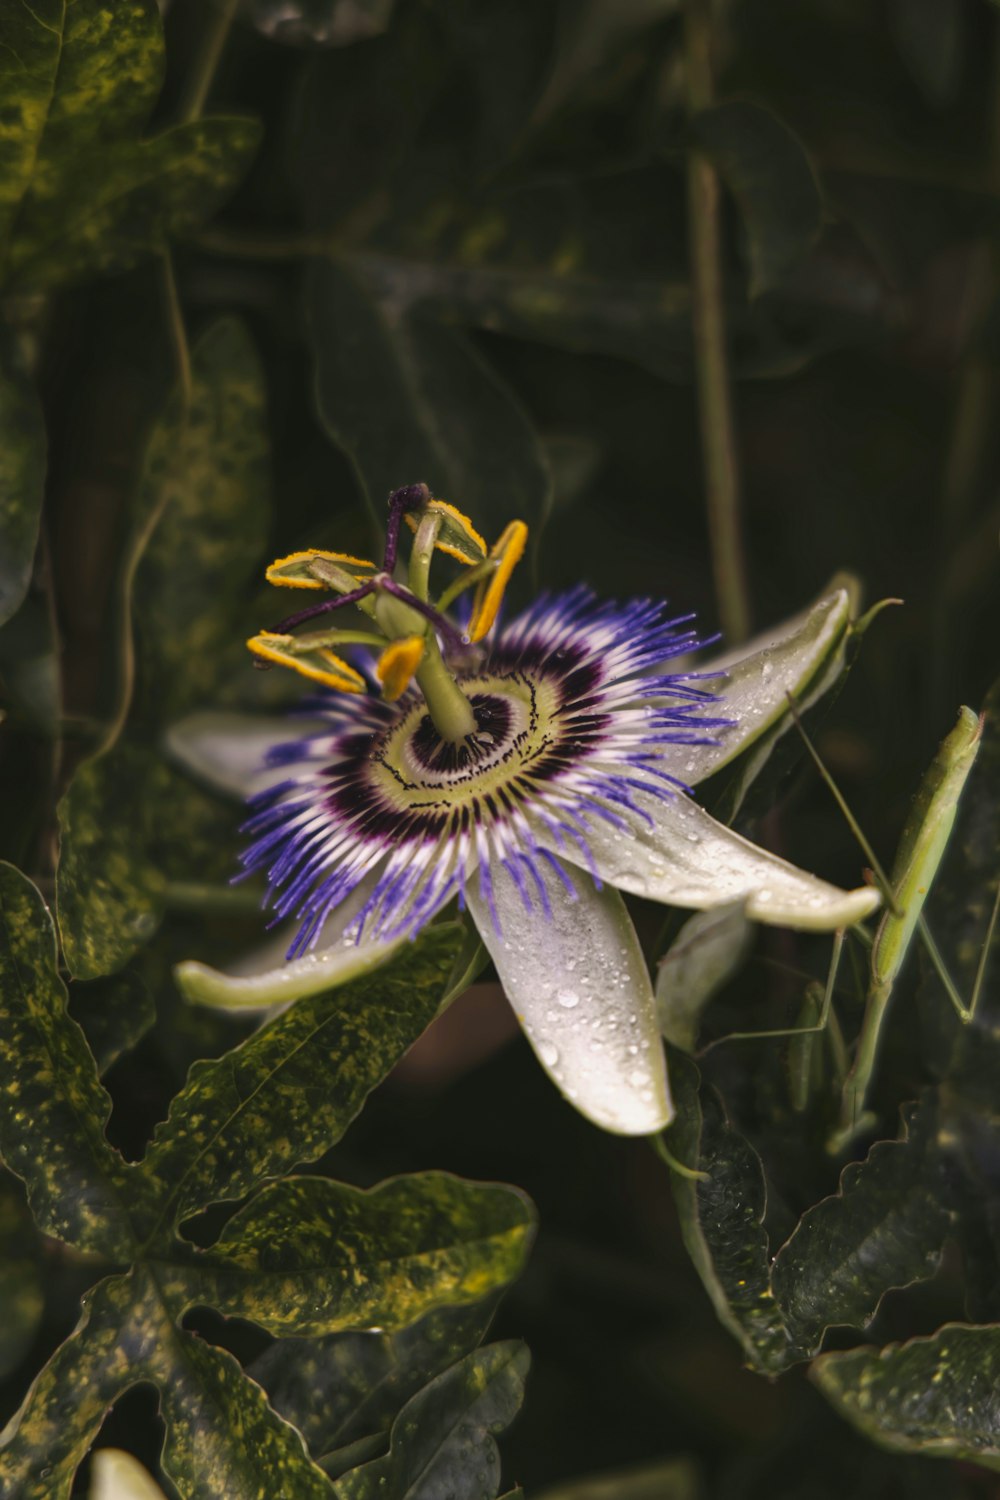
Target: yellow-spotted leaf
204 488
72 77
309 1256
48 1438
83 193
109 887
289 1092
53 1108
223 1441
931 1396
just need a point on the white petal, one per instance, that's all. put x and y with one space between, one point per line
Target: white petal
265 981
116 1475
580 988
229 750
683 857
758 679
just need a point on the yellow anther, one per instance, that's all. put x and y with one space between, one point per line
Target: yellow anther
292 572
458 537
506 553
397 664
317 663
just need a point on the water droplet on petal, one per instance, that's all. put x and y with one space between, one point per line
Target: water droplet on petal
569 999
548 1053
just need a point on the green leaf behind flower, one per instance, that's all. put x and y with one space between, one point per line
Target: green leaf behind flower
22 478
408 398
205 480
109 890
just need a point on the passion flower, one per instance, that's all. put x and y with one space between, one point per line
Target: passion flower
531 773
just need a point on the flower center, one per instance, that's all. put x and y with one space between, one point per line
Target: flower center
515 728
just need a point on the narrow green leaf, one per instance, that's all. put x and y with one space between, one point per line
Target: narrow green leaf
109 892
115 1013
722 1218
22 472
409 399
309 1256
923 842
507 49
72 77
338 1388
933 1396
884 1228
290 1091
52 1107
22 1294
766 169
128 200
44 1443
206 476
442 1441
640 318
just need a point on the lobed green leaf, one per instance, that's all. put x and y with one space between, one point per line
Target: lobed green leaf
45 1442
884 1228
445 1432
934 1396
115 1012
309 1256
721 1219
337 1388
290 1091
52 1108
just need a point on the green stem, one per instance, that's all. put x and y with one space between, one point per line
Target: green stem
144 535
446 703
422 553
853 1117
715 409
199 80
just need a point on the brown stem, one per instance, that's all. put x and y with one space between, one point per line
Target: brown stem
715 409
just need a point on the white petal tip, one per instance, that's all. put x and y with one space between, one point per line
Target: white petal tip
822 910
